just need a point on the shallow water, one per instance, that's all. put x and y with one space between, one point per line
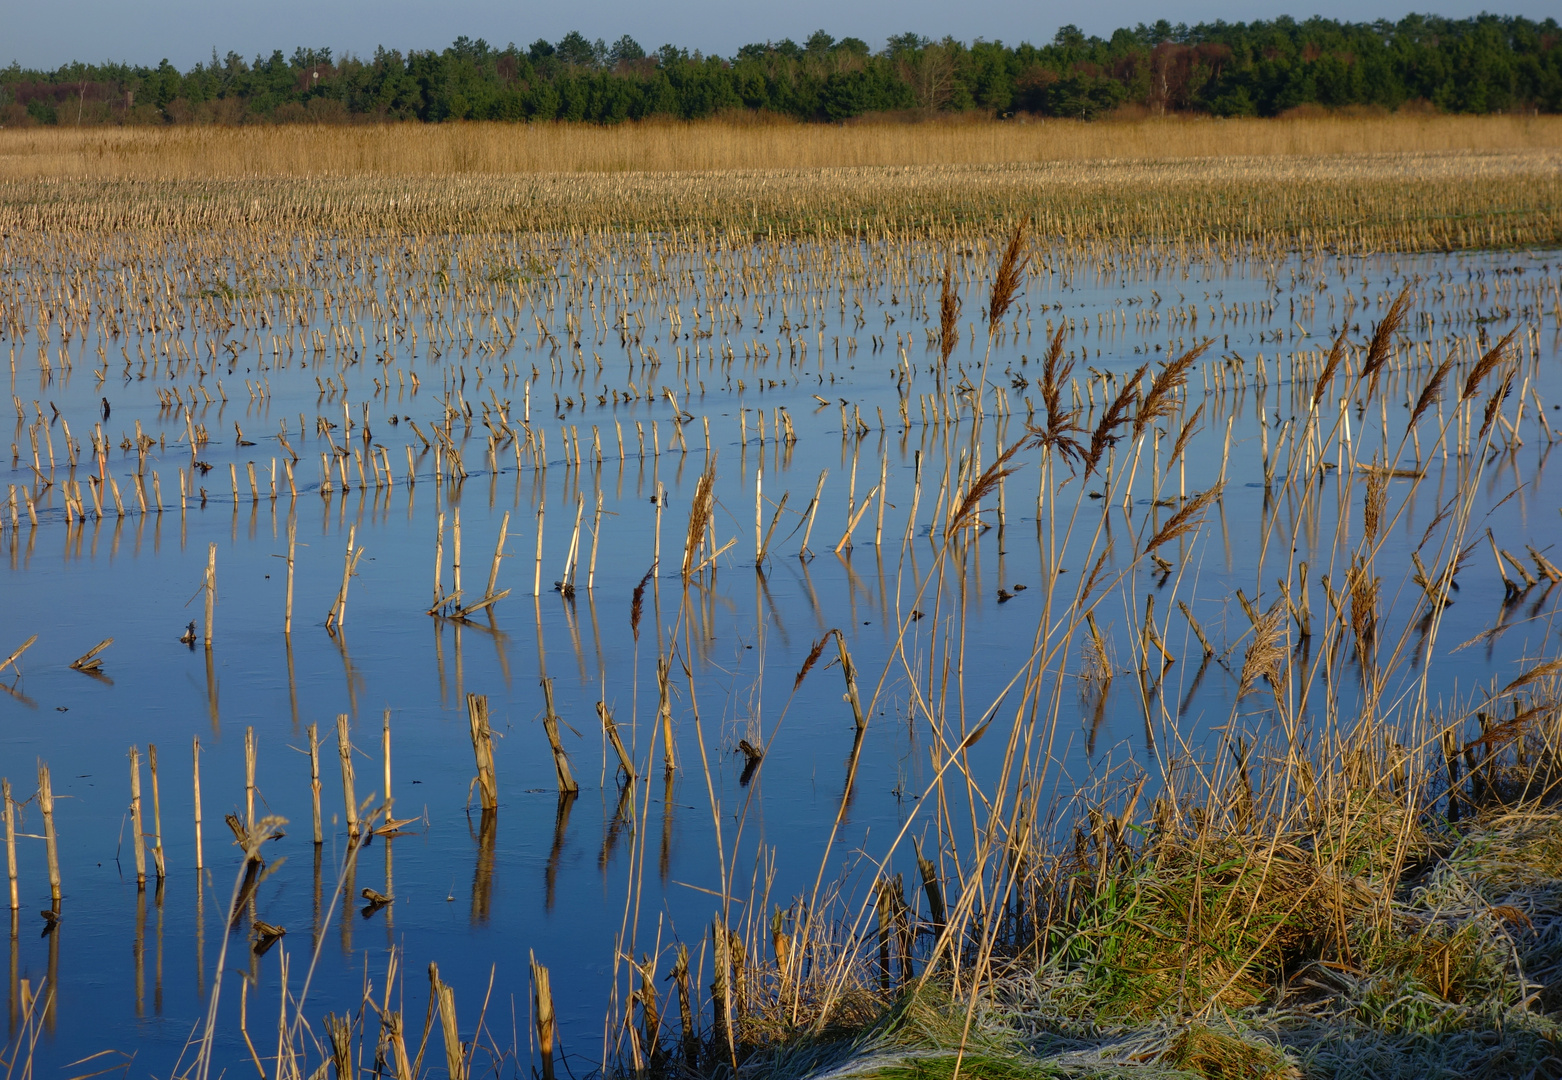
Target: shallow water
131 968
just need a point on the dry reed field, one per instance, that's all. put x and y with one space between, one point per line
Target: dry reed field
1363 184
429 150
1241 449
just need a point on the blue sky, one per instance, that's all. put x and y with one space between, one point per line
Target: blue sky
39 34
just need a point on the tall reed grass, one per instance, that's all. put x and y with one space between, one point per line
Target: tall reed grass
189 153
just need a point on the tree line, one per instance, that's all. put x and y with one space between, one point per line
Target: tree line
1484 64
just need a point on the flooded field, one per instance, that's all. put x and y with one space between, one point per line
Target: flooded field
829 569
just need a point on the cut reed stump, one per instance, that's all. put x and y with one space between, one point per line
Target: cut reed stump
849 670
137 832
664 711
337 617
611 728
209 587
51 842
550 724
650 1009
195 754
314 778
682 982
443 998
344 750
542 997
157 814
483 750
10 843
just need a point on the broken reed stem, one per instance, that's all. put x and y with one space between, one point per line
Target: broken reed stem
664 710
195 754
455 551
608 725
314 778
385 750
849 670
292 540
572 559
439 561
542 997
157 814
137 833
493 573
10 842
656 550
344 750
596 534
550 724
537 566
211 593
455 1058
51 842
813 510
483 750
17 654
338 614
249 779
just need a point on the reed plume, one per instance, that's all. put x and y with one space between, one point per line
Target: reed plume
1189 427
964 511
1332 364
1062 424
1112 417
1011 271
1094 577
948 314
636 603
1376 502
812 659
1494 403
1265 654
1382 344
1188 518
701 508
1431 391
1484 366
1162 395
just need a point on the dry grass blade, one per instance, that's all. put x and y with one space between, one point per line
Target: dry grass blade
1011 271
964 512
1112 417
1484 366
1162 395
1188 518
948 314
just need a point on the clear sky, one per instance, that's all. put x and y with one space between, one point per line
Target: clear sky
41 34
